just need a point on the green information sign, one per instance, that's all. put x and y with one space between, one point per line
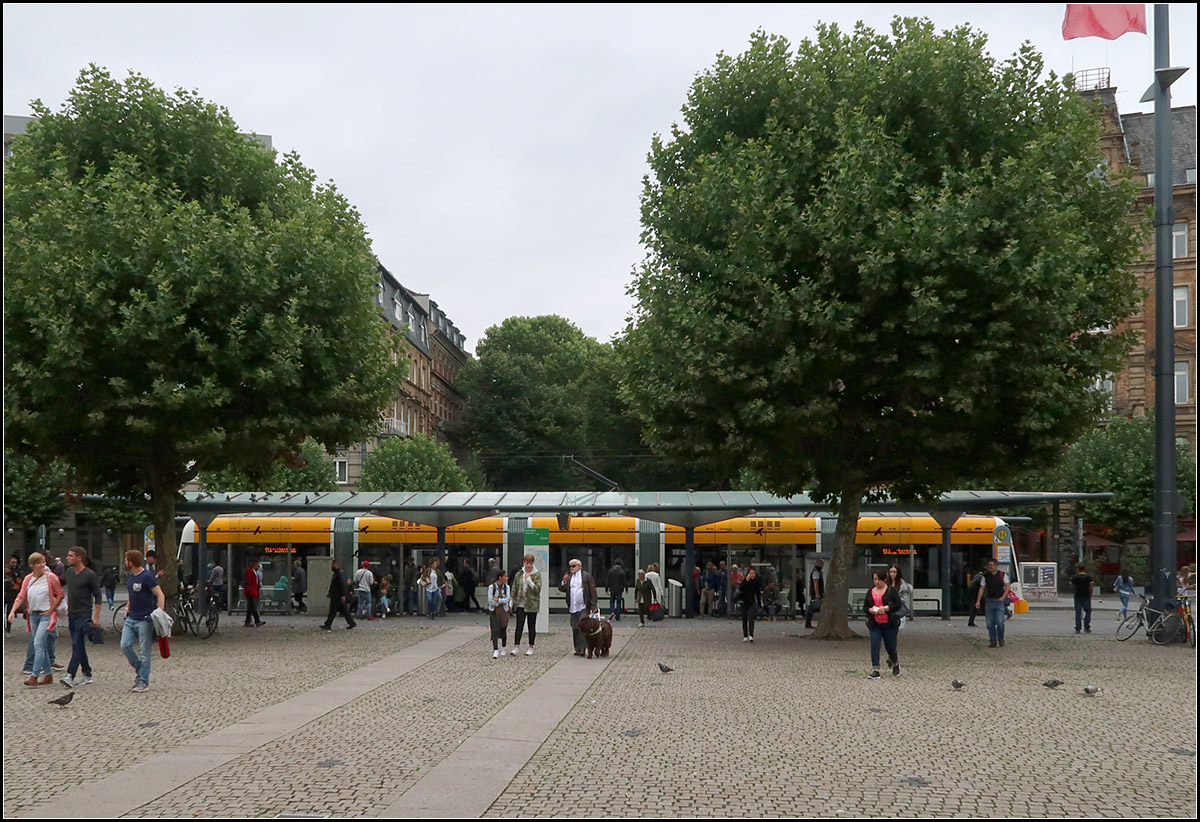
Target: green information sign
537 536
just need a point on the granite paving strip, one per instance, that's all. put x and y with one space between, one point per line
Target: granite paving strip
483 766
123 792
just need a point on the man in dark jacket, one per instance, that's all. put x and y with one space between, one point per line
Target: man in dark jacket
338 591
466 579
616 589
580 588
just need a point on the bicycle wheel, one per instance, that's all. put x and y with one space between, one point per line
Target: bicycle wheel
1168 629
1129 626
209 625
1189 625
119 615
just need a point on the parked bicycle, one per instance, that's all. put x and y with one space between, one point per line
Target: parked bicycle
1162 627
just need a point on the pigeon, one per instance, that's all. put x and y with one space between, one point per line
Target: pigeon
664 668
63 700
1091 690
957 684
1052 683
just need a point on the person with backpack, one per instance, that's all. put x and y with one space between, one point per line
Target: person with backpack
499 603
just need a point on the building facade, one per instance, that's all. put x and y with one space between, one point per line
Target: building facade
1128 142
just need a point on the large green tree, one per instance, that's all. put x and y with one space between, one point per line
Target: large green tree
33 491
308 469
1120 458
873 265
412 464
177 298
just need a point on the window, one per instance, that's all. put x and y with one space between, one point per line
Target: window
1181 306
1190 176
1150 180
397 310
1105 386
342 470
1181 383
379 293
1179 243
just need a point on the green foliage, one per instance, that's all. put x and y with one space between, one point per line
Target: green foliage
873 263
414 464
309 469
177 301
32 490
1120 458
540 389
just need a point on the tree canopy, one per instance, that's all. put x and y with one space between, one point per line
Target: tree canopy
1120 458
177 298
309 469
873 264
412 464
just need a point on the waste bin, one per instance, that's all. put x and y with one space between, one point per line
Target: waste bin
674 598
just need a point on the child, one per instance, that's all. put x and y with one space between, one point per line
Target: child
499 603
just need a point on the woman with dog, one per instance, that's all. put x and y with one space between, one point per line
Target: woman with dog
881 604
750 598
526 599
499 604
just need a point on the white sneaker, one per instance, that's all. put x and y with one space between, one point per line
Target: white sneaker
503 652
84 680
745 639
516 650
495 654
529 652
751 639
68 680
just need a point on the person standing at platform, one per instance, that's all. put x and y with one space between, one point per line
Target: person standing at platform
299 586
526 600
252 587
1083 587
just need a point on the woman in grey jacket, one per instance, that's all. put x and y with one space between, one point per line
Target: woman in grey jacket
526 598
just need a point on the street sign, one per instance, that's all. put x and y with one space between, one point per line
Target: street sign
537 536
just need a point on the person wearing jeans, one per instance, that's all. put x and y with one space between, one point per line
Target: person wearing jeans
881 605
83 611
42 592
995 589
144 594
137 641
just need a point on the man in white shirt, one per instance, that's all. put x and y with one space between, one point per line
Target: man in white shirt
363 580
580 589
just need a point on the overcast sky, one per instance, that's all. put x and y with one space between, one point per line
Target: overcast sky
496 153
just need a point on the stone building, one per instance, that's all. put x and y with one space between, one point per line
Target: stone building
1128 141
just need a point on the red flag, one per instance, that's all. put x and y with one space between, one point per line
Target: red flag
1107 20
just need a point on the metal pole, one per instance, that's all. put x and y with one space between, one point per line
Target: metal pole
946 520
1162 554
689 560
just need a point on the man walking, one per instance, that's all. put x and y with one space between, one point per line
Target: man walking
466 579
338 591
363 580
995 589
83 588
253 589
410 586
973 596
580 589
145 594
1083 599
616 589
816 592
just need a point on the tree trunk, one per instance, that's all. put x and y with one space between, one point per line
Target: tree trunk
166 544
834 622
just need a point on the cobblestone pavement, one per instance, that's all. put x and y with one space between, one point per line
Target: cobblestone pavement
786 726
791 727
205 685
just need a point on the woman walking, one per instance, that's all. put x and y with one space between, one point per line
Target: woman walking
43 592
904 589
526 600
881 604
643 592
750 597
499 604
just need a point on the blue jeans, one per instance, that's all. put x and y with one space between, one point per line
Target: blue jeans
1124 602
78 627
364 604
431 603
885 633
1083 613
51 645
994 611
41 657
616 603
108 594
142 632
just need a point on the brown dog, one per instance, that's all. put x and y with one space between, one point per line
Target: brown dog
598 635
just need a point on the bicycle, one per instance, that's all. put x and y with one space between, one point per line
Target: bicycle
183 611
207 626
118 616
1189 624
1162 627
